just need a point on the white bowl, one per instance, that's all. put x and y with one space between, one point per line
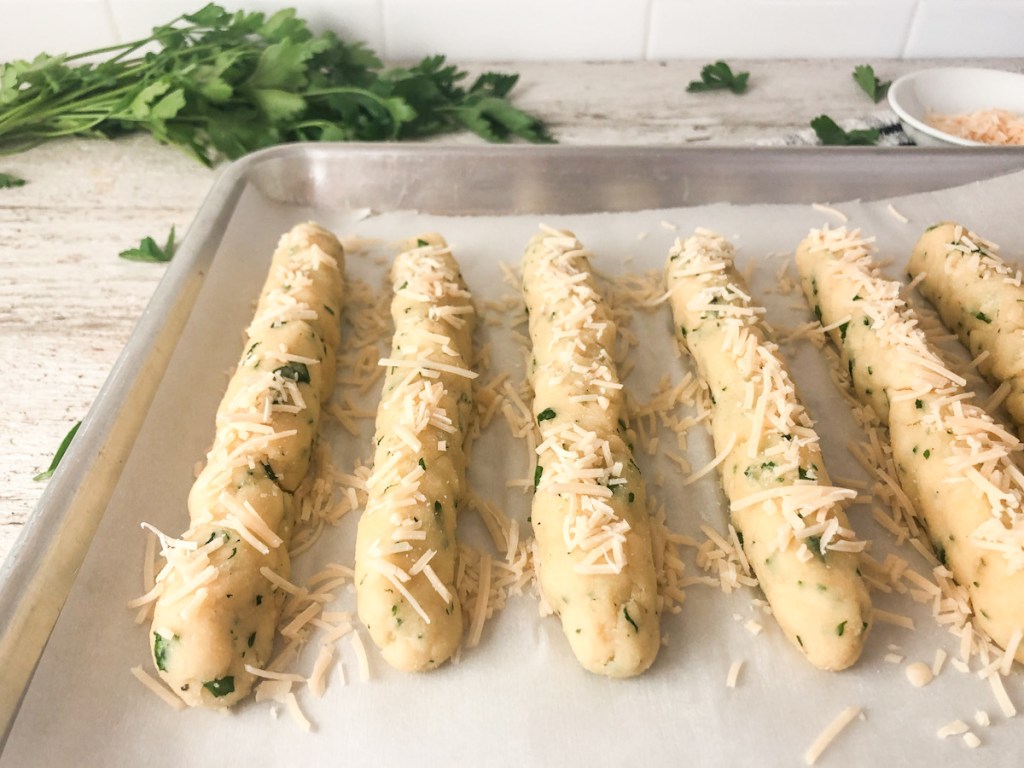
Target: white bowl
952 91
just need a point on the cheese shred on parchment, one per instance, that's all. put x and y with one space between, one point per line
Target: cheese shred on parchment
734 673
157 687
827 736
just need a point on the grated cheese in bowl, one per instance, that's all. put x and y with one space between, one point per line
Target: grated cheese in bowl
988 126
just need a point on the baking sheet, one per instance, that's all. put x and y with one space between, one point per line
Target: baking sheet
519 697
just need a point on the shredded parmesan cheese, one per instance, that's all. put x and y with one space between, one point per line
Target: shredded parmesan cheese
832 730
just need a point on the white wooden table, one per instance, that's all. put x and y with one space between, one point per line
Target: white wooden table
68 303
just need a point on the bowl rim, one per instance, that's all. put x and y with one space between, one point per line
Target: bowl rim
901 83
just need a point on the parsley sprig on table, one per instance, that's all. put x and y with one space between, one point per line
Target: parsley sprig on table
10 180
61 450
148 250
864 76
719 76
830 133
222 84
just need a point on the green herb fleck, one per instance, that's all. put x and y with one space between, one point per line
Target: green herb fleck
537 474
420 242
631 497
814 544
719 76
919 404
625 612
438 509
755 471
297 372
423 464
269 471
221 686
840 628
148 250
545 415
259 599
161 645
864 76
927 453
830 134
251 640
983 317
61 450
842 330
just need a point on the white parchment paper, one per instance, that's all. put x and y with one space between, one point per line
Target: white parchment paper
520 698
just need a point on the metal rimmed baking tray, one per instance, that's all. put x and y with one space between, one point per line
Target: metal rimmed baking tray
62 570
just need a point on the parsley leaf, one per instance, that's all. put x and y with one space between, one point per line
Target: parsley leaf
61 450
220 84
719 76
830 133
148 250
222 686
864 76
8 180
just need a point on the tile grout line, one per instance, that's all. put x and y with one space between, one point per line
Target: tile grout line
112 22
381 18
648 29
914 17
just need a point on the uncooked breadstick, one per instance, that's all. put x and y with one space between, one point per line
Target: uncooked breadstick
795 536
979 297
593 541
218 608
406 547
953 460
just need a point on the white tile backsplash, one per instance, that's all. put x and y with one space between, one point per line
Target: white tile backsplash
778 29
53 26
951 28
351 19
528 29
467 30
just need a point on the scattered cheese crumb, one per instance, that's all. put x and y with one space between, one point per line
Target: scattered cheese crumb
734 673
954 728
919 674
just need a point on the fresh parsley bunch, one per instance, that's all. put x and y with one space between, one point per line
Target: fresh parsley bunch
220 84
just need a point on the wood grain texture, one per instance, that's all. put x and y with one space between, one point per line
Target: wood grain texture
68 303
